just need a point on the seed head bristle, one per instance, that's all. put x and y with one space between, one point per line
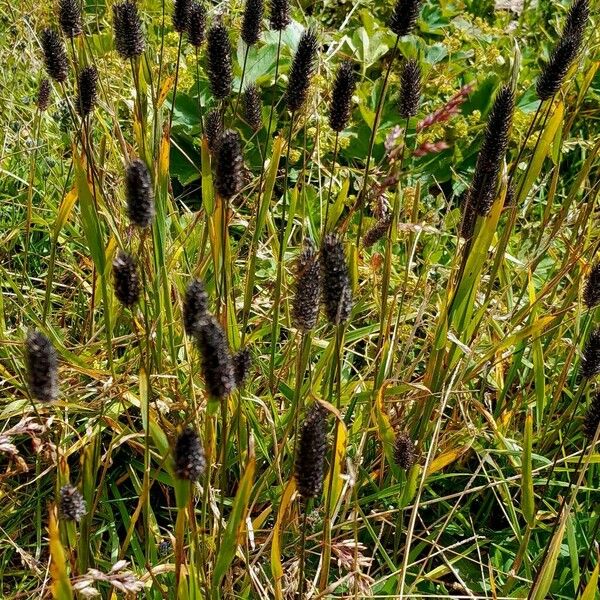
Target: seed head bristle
129 37
139 194
309 467
590 362
404 451
194 307
87 91
220 70
69 17
337 294
341 98
55 55
71 505
279 16
410 89
216 363
301 71
576 19
126 279
197 24
229 163
43 97
555 70
213 129
591 419
251 24
305 306
188 455
242 361
42 367
181 15
591 292
404 16
377 231
252 107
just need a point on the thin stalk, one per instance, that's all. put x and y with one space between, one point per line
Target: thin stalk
302 553
176 82
237 100
198 94
335 153
32 164
138 97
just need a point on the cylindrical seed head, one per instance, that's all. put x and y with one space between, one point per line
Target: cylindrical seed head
188 456
253 16
220 70
410 89
213 129
42 367
139 194
591 419
341 97
591 292
279 16
337 294
404 16
305 306
309 467
242 361
55 55
69 17
129 37
216 363
404 451
86 93
197 24
181 15
195 306
378 231
301 71
71 505
252 107
229 163
590 363
126 279
43 97
555 70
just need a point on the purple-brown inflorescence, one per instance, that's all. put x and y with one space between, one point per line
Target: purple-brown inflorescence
404 16
253 16
129 37
188 456
220 70
591 419
42 367
279 16
305 306
309 467
216 363
410 89
43 97
181 15
213 128
69 17
195 306
139 194
229 163
377 231
252 107
301 71
336 294
71 505
197 24
55 55
590 362
126 279
242 361
591 291
404 451
87 91
341 96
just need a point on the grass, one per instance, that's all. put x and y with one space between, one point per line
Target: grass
474 349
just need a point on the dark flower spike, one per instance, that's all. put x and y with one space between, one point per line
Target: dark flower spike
555 70
87 94
279 17
378 231
220 70
337 294
590 363
129 38
126 279
404 16
55 55
197 24
194 307
43 97
213 128
309 467
404 451
410 89
591 292
188 456
341 97
216 363
69 17
242 361
181 15
139 194
577 19
253 16
71 506
252 107
228 171
591 420
482 192
305 306
42 367
301 71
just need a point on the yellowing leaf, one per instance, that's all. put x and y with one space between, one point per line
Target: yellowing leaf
276 566
61 585
446 458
